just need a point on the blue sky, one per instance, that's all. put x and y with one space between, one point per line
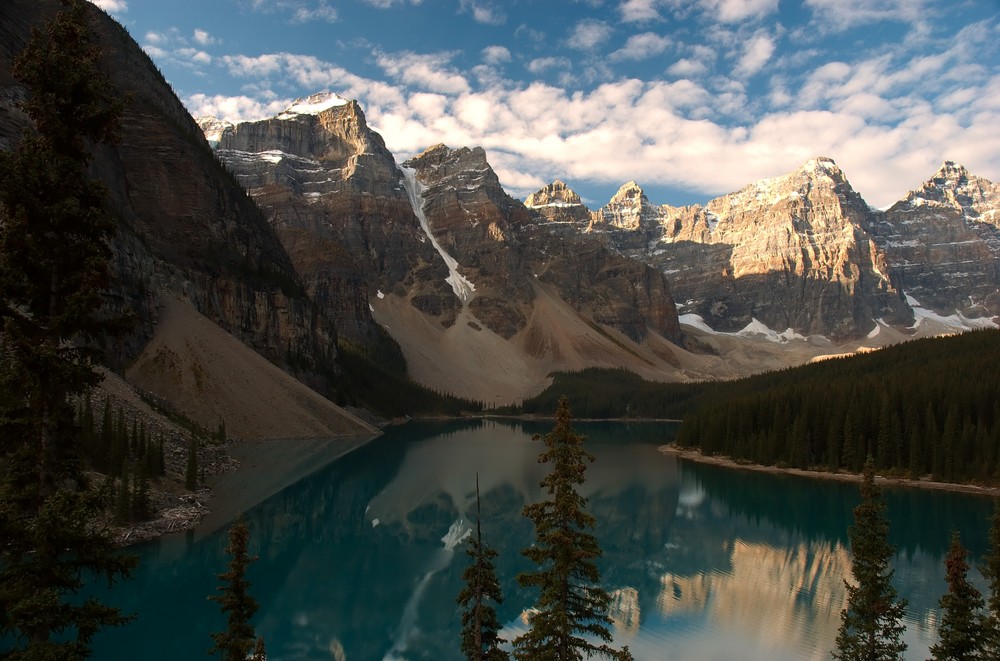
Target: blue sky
690 98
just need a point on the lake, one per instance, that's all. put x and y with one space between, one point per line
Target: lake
363 559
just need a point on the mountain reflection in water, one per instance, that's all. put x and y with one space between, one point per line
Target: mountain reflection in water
363 560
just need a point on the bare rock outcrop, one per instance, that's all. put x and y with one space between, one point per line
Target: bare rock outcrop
942 243
790 252
505 247
335 197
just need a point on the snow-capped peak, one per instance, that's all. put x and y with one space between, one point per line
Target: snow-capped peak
822 165
213 127
953 186
313 105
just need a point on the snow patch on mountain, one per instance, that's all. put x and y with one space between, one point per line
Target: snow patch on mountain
758 329
956 321
755 329
313 105
213 127
461 285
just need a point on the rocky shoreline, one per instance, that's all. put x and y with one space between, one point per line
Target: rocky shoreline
922 483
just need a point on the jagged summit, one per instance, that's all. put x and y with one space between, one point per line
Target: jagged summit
213 127
555 194
313 105
822 164
954 187
630 191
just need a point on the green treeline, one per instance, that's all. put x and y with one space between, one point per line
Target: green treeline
926 407
378 381
613 393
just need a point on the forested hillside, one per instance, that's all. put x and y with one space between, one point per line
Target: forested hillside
928 407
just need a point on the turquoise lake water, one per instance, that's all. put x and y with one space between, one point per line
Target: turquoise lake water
363 559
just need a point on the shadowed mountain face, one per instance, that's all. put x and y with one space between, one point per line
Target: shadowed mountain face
436 250
186 227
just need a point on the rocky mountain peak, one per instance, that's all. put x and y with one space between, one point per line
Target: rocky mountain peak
213 128
323 127
555 194
819 180
822 166
630 192
628 209
441 155
558 203
313 104
954 187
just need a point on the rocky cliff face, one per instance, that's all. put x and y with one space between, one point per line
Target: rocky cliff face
942 243
335 197
557 203
790 252
433 246
507 248
186 227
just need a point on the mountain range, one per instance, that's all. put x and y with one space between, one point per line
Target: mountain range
301 234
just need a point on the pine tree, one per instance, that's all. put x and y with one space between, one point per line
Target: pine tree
871 625
54 265
963 632
238 640
259 651
991 571
480 626
572 609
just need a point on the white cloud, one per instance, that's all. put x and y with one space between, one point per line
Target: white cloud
322 12
431 71
687 68
112 6
301 11
495 55
838 15
735 11
483 11
641 47
588 34
193 55
233 108
726 11
888 119
171 47
757 53
639 11
388 4
156 38
538 65
203 38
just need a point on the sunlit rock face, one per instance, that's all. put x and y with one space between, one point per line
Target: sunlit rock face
942 243
791 252
558 203
772 591
805 252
